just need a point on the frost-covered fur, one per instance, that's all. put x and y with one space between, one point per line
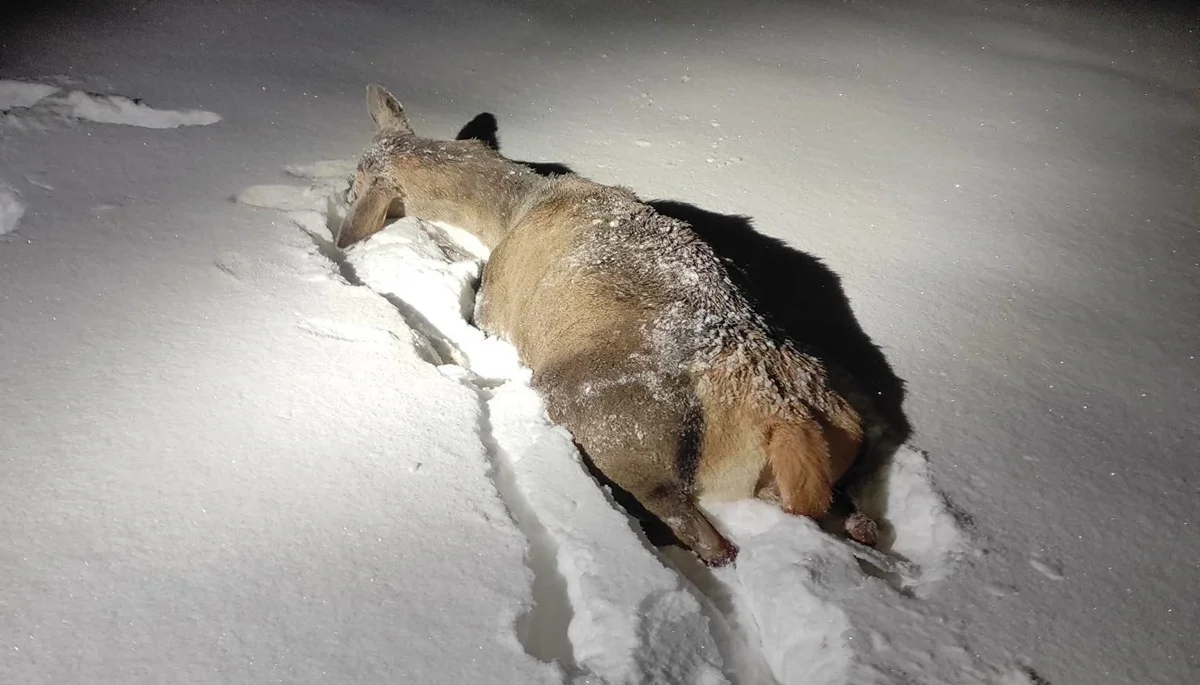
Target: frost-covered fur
638 340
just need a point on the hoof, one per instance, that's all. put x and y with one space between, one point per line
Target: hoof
862 529
723 558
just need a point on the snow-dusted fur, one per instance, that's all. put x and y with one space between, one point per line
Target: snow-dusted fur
637 338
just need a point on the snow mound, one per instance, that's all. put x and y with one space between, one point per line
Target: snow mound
437 293
117 109
23 94
926 531
97 107
800 605
794 570
11 209
830 612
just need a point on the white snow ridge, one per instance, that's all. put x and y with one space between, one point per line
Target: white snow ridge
23 94
11 209
100 108
799 606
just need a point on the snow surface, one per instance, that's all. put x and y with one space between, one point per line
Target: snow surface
231 453
11 209
22 94
100 108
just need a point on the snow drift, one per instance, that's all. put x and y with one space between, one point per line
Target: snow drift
41 98
11 209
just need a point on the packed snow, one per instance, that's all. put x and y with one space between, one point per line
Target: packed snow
24 95
11 209
97 107
232 453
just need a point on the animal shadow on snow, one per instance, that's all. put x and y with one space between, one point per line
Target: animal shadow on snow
799 296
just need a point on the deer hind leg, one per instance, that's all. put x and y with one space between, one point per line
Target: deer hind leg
637 440
648 468
671 504
799 458
857 524
678 510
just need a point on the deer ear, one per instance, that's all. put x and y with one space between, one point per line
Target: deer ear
386 111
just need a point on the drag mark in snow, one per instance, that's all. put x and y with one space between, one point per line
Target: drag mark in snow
347 332
34 181
1048 568
543 630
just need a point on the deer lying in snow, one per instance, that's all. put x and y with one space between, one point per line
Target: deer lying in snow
639 342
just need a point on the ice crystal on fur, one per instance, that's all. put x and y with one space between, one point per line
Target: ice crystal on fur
708 323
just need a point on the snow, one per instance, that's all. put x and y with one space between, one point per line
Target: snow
100 108
22 94
11 209
231 453
923 528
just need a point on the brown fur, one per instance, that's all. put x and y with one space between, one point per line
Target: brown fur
637 339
